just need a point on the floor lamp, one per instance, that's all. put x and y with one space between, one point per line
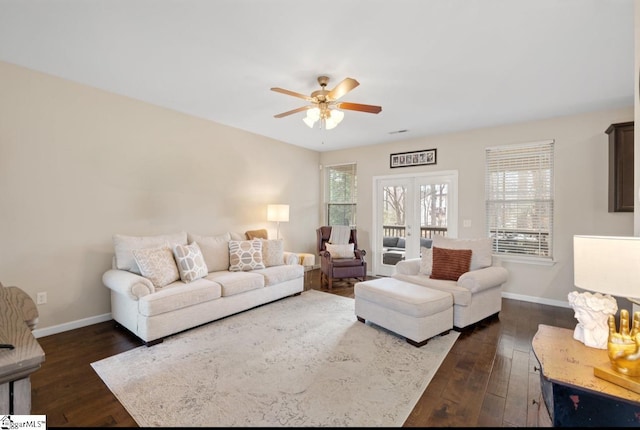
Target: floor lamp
278 213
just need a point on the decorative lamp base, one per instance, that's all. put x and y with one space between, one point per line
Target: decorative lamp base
608 374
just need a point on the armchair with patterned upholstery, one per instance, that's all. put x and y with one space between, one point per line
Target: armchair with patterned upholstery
340 261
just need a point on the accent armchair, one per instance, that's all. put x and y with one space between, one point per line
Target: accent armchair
340 261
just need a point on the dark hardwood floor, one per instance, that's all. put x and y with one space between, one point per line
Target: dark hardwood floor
488 379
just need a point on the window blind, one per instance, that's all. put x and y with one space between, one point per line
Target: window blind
341 194
519 198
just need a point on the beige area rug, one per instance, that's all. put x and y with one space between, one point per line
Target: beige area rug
300 361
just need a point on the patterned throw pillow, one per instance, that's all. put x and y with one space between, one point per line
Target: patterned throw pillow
157 264
273 252
245 255
426 260
450 264
340 251
190 262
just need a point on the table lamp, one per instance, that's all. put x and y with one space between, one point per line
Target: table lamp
610 265
278 213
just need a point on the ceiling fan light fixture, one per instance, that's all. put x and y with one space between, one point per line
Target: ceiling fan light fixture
313 115
333 118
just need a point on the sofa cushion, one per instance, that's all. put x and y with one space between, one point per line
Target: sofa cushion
340 250
237 282
190 262
157 265
450 263
481 249
124 244
389 242
215 250
272 252
461 296
178 295
402 243
245 255
276 274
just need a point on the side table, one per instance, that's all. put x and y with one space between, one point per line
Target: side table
573 395
18 315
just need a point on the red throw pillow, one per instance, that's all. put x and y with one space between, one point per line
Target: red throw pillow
450 264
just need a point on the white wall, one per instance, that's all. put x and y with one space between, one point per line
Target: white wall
78 165
581 202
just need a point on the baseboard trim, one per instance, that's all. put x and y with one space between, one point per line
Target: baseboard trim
540 300
47 331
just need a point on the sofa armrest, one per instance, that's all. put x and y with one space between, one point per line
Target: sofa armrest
127 283
408 267
483 279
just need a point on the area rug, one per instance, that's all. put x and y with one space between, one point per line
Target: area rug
301 361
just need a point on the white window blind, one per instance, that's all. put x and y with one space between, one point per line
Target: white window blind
519 199
342 195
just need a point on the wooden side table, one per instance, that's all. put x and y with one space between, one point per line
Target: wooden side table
16 316
573 395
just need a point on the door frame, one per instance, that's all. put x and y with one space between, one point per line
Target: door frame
450 176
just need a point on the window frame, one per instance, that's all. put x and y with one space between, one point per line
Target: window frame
351 200
519 188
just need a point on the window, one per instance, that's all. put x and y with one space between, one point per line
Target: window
519 199
341 194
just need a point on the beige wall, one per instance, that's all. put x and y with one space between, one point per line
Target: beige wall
78 165
581 154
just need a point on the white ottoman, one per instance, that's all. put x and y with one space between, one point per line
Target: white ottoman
418 313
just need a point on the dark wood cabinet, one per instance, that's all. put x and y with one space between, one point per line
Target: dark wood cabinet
621 189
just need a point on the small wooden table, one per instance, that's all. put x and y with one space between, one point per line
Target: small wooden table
18 363
573 395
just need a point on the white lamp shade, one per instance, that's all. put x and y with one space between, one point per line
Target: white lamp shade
278 213
607 264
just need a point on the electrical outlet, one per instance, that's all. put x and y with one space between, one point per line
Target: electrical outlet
466 223
41 298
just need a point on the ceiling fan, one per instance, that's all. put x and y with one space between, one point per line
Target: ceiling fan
324 103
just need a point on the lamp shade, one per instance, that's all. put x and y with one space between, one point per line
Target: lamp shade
607 264
278 213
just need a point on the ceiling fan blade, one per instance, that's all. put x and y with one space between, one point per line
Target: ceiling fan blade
359 107
292 93
300 109
342 88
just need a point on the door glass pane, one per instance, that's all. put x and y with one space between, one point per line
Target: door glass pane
393 223
434 200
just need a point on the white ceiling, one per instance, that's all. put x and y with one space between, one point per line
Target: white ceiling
435 66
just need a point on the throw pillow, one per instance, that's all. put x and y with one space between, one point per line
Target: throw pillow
482 249
340 251
124 245
273 252
157 265
245 255
450 264
215 250
190 262
426 260
257 234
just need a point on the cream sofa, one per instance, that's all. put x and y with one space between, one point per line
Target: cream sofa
213 280
477 293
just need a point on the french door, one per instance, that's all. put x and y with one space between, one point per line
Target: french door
408 208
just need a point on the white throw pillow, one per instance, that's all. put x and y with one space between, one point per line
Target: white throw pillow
124 244
190 262
245 255
157 265
340 251
215 250
481 252
426 260
272 252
